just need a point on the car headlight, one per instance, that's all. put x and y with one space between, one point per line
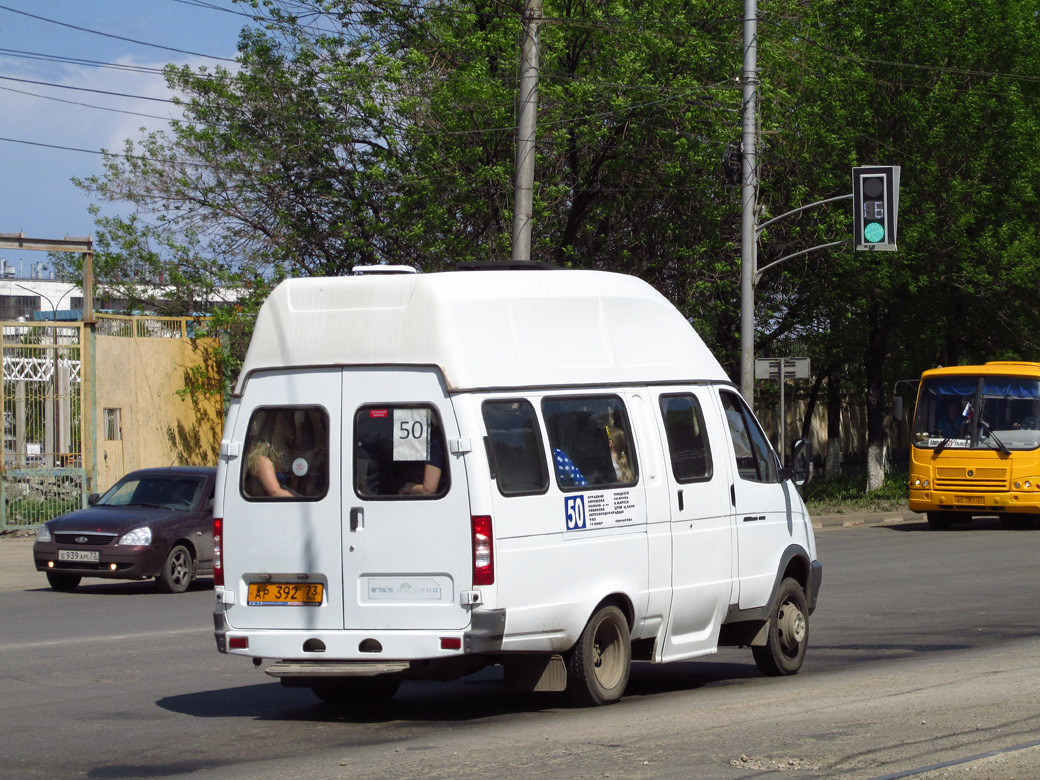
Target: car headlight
43 534
137 537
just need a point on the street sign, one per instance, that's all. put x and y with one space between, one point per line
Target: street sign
793 368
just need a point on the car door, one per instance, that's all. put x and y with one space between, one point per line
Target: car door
407 553
762 512
701 522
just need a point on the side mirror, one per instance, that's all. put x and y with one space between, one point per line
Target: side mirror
93 499
897 407
801 462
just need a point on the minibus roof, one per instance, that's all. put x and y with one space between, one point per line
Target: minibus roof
484 330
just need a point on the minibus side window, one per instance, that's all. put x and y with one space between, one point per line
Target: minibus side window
755 459
399 452
286 454
591 442
516 447
687 439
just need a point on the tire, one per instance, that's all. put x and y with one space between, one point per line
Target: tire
178 571
788 632
358 690
599 664
940 521
63 582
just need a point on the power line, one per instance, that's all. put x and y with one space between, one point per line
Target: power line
86 89
110 35
84 105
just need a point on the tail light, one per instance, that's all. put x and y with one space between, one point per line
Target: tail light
483 551
218 552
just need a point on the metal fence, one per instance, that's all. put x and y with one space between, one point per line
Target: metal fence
41 394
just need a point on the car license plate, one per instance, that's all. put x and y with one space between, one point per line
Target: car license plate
969 499
286 594
79 556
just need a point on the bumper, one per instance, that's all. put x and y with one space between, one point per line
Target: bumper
484 635
119 563
1013 502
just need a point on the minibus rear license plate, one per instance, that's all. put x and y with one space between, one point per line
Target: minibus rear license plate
970 499
286 594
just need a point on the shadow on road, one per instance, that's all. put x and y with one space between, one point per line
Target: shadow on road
473 698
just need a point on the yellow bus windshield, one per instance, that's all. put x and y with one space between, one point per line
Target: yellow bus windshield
978 412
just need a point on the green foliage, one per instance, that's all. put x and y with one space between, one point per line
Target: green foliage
361 131
850 494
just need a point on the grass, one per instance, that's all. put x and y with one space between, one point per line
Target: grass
849 494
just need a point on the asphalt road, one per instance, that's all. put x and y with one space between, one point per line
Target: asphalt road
923 651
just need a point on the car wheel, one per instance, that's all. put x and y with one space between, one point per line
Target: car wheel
788 632
358 690
63 582
178 571
599 664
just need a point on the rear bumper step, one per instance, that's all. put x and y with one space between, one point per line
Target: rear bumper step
335 668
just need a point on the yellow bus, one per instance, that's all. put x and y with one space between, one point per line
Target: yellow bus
976 444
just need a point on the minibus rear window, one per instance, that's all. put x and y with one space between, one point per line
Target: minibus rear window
518 458
591 442
287 454
687 440
399 452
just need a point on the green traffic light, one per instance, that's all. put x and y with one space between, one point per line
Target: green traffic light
874 232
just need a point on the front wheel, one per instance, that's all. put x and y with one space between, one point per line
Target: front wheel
178 571
788 633
599 664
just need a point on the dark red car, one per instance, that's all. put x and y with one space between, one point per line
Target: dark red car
152 523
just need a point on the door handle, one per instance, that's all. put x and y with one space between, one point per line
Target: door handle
680 501
357 518
754 518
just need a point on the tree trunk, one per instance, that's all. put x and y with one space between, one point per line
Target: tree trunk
832 466
874 361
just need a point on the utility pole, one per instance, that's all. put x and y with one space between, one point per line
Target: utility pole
748 198
523 199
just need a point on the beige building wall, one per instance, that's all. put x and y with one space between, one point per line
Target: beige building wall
142 420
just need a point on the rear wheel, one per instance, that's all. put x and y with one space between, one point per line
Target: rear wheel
599 664
788 634
63 582
178 571
940 521
358 690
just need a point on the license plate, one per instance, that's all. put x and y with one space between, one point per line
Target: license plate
286 594
79 556
969 499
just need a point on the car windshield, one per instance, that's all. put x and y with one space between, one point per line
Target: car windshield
978 412
166 491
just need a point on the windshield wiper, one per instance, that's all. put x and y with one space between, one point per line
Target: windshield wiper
1000 445
941 445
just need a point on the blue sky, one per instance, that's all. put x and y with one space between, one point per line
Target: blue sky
37 196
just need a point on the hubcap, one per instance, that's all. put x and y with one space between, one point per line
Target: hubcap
790 625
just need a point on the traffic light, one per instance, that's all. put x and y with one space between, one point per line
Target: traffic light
875 198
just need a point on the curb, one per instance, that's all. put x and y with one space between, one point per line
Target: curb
866 518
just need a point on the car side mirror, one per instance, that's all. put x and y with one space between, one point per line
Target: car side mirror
801 467
93 499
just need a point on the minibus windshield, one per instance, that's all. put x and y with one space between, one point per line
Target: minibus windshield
978 412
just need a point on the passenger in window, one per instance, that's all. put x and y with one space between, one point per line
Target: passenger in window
432 470
953 423
266 473
566 472
619 454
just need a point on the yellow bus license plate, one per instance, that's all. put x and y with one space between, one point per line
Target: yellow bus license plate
286 594
970 499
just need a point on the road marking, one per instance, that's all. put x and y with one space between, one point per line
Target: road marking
79 640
